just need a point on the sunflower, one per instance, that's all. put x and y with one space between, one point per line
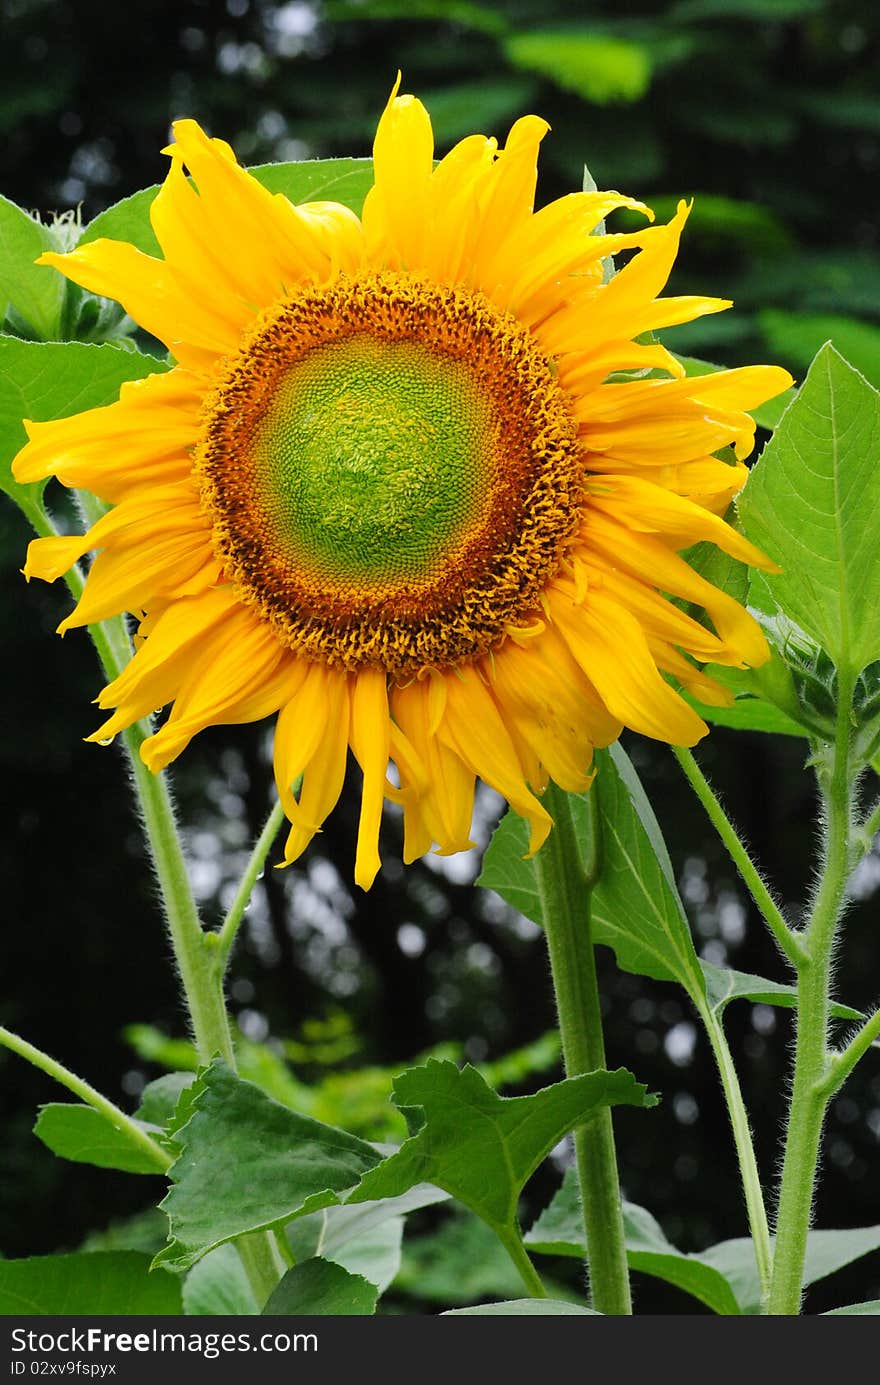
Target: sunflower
414 483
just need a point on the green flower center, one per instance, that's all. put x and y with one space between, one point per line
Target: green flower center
371 460
391 473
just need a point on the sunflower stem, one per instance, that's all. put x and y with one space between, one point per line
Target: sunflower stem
195 950
565 885
87 1093
745 1150
787 940
252 872
513 1244
813 1063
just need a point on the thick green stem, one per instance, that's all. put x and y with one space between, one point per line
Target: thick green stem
565 884
87 1093
195 950
745 1150
810 1088
788 941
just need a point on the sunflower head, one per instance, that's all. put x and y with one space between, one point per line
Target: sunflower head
415 484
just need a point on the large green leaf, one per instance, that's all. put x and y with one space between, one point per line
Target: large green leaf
827 1252
248 1163
480 1147
560 1231
46 380
637 909
314 180
100 1283
218 1286
723 985
812 503
597 67
636 906
331 1230
749 713
460 1261
87 1136
320 1286
127 220
524 1308
36 292
375 1255
320 180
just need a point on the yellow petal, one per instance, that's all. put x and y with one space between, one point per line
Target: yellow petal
370 741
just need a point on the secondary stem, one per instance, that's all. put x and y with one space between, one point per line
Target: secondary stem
810 1092
843 1062
565 886
512 1242
745 1150
232 922
788 941
87 1093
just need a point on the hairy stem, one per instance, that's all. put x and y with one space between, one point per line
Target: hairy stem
87 1093
787 940
253 870
810 1093
745 1150
195 951
843 1062
565 887
512 1242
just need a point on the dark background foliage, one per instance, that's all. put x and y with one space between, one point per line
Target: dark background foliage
767 112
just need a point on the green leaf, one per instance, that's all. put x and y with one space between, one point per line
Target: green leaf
637 910
636 906
871 1308
748 714
560 1231
480 1147
524 1308
320 1286
95 1284
375 1255
36 292
313 180
827 1252
796 337
160 1099
812 503
596 67
319 180
47 380
267 1164
127 220
87 1136
329 1231
723 985
459 1262
219 1287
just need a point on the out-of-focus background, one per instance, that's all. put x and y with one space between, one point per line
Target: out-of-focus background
767 112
